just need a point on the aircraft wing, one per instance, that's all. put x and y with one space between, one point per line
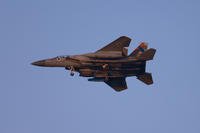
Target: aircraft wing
117 45
118 83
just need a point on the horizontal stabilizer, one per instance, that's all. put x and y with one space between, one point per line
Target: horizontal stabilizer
147 55
146 78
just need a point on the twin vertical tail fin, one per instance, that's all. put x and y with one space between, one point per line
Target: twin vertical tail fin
142 53
147 55
139 50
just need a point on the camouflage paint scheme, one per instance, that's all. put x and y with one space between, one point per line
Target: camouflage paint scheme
111 64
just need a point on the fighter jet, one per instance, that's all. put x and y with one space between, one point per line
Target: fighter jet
110 64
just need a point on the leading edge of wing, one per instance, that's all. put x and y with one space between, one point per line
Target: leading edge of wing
118 83
117 45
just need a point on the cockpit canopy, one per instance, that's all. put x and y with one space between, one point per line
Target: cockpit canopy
63 56
59 58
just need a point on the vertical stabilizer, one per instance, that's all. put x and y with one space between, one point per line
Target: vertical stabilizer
139 50
147 55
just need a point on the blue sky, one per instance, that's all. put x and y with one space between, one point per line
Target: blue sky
34 99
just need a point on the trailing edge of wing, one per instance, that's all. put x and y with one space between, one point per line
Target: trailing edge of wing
118 84
117 45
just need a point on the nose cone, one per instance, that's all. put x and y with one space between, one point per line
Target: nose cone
39 63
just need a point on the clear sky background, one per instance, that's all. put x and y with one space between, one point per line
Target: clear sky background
48 100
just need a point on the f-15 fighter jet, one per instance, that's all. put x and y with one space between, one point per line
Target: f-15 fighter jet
110 64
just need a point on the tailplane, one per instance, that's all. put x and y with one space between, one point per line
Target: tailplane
146 78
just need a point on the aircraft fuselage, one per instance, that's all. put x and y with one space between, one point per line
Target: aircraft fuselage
111 64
